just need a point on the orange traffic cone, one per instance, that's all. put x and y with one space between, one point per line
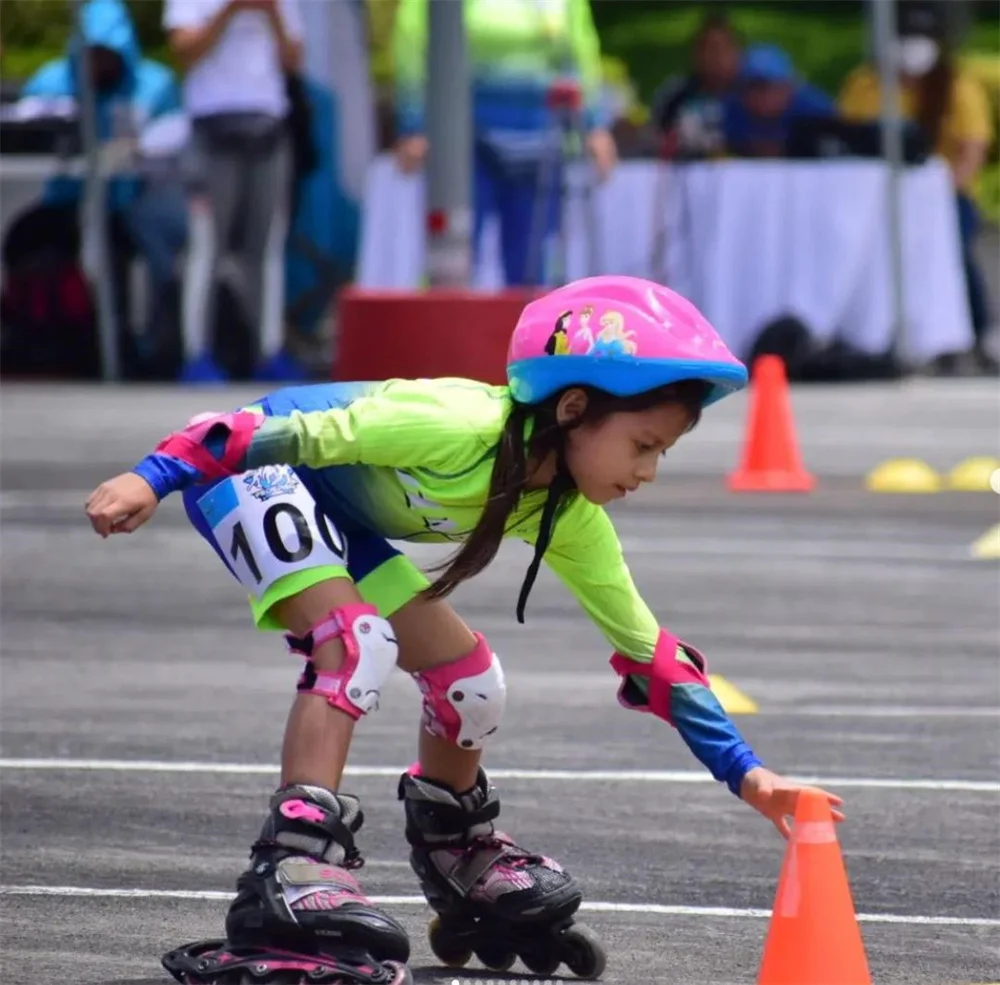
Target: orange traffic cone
771 461
813 938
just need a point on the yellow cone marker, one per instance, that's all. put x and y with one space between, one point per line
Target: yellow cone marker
987 548
903 475
732 699
974 474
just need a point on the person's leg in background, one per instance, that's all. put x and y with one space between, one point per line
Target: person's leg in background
157 223
266 233
529 197
484 200
968 218
212 211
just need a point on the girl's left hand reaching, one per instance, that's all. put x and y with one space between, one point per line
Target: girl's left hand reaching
776 798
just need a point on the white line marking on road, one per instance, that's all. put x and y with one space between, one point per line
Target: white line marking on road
582 776
875 711
655 909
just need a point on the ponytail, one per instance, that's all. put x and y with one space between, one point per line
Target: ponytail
507 482
509 477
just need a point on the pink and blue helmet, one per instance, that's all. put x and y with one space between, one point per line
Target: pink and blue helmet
624 335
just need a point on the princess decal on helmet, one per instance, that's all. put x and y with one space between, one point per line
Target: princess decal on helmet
613 338
557 343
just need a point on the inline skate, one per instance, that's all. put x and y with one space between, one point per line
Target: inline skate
299 915
492 898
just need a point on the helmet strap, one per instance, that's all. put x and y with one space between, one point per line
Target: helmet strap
562 483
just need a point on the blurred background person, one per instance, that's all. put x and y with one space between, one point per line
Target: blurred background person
687 109
131 93
236 55
767 98
952 110
517 50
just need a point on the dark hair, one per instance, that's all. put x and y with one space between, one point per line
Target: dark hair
934 89
716 21
934 96
510 469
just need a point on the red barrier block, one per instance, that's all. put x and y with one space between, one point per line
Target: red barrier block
390 334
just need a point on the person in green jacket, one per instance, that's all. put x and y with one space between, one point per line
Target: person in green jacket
518 49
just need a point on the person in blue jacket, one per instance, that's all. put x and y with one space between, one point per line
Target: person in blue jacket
767 97
130 92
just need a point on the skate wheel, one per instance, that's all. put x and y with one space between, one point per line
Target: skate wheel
496 959
542 963
583 952
452 953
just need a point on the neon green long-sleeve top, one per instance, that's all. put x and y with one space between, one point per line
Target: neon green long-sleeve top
412 460
419 456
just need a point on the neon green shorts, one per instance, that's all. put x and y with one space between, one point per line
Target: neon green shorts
388 587
277 541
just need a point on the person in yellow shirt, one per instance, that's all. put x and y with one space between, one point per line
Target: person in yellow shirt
952 109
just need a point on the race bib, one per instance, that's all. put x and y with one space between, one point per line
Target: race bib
268 525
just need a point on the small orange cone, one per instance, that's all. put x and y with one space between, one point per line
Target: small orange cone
771 460
813 937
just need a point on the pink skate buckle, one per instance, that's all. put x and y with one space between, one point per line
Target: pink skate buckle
295 810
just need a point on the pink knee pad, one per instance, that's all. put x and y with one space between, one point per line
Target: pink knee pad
464 700
369 657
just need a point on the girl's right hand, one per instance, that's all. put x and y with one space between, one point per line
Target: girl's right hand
121 504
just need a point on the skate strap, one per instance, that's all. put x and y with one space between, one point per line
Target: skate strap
306 872
310 828
311 885
475 863
453 820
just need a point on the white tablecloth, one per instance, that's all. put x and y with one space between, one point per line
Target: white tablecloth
746 241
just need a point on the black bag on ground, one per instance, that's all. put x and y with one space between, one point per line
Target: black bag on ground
48 314
808 361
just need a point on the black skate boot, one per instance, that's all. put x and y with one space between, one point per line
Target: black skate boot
492 898
299 914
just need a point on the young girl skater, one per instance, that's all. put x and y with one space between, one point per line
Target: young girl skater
299 496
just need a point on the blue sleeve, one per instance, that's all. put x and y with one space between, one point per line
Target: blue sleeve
707 731
711 735
158 90
810 101
52 79
167 474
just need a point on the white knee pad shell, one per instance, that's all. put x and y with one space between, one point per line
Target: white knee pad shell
370 655
464 700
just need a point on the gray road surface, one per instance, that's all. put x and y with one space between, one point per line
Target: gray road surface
858 623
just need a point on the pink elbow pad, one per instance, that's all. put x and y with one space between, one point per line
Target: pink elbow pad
188 445
673 663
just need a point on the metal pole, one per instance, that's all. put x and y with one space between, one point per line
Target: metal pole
449 157
94 211
886 47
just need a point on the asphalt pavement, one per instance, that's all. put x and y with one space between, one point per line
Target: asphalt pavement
141 716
